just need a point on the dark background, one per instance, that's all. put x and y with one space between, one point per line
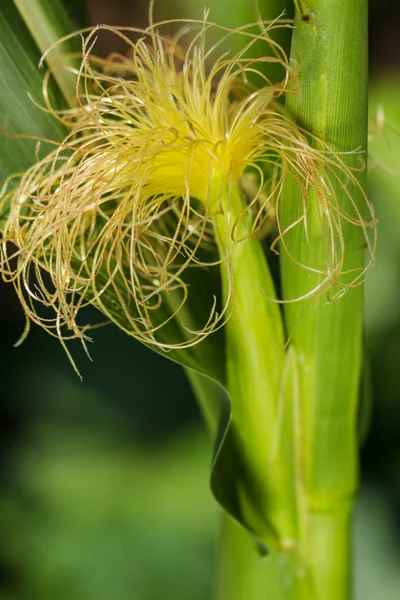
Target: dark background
104 484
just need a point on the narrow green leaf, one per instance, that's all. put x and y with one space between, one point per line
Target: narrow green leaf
20 76
206 357
27 29
208 395
48 21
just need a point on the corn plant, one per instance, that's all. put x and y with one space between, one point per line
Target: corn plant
157 176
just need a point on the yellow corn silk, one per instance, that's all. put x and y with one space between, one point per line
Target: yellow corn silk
158 138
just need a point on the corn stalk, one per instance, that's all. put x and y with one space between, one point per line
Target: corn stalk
329 49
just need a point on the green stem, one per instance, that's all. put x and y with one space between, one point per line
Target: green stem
242 573
329 49
328 553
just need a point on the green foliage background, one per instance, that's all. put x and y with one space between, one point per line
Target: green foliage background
104 484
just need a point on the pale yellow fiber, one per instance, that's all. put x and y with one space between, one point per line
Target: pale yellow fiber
128 201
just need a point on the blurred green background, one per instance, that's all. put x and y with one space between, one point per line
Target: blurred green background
104 484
